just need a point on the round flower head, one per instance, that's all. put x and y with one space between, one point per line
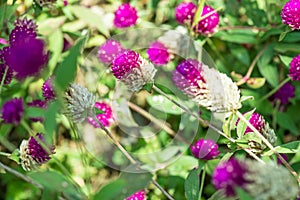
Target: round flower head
79 103
295 68
207 87
24 29
284 94
38 104
33 153
133 70
257 121
229 175
109 50
106 118
12 111
209 24
185 12
290 14
205 149
8 74
158 53
140 195
48 90
125 16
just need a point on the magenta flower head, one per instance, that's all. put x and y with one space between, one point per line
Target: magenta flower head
133 70
257 121
206 86
295 68
140 195
284 94
38 104
106 118
290 14
125 16
185 12
33 153
229 175
158 53
8 74
209 24
205 149
12 111
24 29
109 50
48 90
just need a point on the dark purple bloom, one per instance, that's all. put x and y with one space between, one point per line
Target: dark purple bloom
185 12
109 50
12 111
48 90
290 14
210 23
284 94
205 149
24 29
229 175
295 68
37 151
8 76
125 16
257 121
38 104
140 195
106 118
158 53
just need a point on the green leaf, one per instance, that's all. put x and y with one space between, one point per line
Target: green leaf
241 54
242 126
237 36
50 25
242 194
291 37
65 72
291 147
161 103
111 191
50 119
34 112
15 156
267 56
56 43
192 184
270 72
286 60
286 121
284 47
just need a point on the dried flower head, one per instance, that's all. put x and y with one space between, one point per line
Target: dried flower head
140 195
109 50
158 53
125 16
48 90
133 70
208 87
79 103
185 12
106 118
12 111
290 14
295 68
205 149
209 24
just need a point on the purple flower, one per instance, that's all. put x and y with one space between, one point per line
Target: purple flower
290 14
209 24
284 94
24 29
284 156
38 104
205 149
140 195
185 12
48 90
295 68
229 175
12 111
109 50
8 76
158 53
125 16
133 70
38 153
257 121
106 118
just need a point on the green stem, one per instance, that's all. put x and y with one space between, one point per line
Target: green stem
275 89
202 181
3 79
5 154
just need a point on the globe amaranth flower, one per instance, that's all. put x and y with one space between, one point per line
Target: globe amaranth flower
79 103
261 181
35 152
125 16
263 127
185 12
24 29
48 90
295 68
205 149
290 14
284 94
133 70
207 87
158 53
210 23
38 104
109 50
12 111
106 118
140 195
5 70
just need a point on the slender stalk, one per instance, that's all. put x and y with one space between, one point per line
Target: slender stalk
22 176
162 190
202 182
275 89
286 164
243 28
3 78
5 154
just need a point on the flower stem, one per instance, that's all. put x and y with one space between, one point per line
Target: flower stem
3 78
286 164
202 181
5 154
275 89
162 190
